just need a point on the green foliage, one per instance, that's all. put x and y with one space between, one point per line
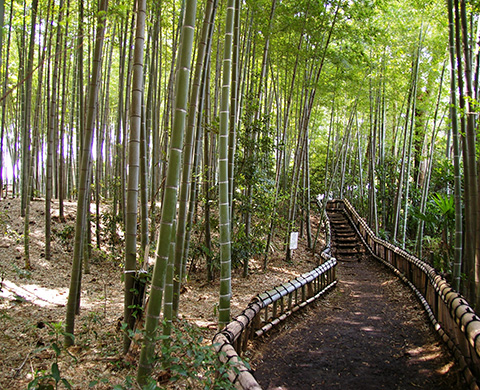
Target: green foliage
445 205
66 234
90 323
244 247
436 254
22 272
6 227
439 223
200 250
440 214
254 197
188 362
111 221
194 363
442 175
128 384
51 380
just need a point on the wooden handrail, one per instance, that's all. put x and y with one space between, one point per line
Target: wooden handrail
267 310
450 313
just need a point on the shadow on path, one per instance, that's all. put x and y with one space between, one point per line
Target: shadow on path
368 333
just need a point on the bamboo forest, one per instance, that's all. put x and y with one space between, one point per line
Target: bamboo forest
163 163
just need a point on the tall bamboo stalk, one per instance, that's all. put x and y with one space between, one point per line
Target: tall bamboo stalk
52 129
223 180
170 195
468 138
4 102
426 184
133 173
188 157
472 220
83 195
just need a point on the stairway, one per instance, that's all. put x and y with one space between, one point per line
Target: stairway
346 244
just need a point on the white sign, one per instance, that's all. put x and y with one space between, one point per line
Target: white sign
293 240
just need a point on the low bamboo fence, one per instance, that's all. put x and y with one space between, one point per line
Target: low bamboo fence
451 315
267 310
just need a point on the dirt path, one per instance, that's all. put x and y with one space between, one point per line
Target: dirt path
368 333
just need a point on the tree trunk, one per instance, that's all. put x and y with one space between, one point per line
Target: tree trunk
26 151
27 103
131 297
83 195
223 180
188 157
61 166
170 195
4 101
469 164
52 129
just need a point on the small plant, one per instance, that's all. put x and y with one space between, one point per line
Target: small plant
4 219
97 381
89 323
244 248
186 360
45 380
22 272
111 221
66 234
192 362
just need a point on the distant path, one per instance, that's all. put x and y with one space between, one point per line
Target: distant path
368 333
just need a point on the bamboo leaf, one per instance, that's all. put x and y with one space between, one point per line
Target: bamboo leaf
56 372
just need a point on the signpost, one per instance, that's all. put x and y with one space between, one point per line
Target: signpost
293 240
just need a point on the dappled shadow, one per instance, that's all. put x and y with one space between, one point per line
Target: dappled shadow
369 333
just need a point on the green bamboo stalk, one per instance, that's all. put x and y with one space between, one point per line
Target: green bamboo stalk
457 262
426 184
187 160
133 172
170 194
234 101
4 90
472 225
82 203
52 128
410 138
224 205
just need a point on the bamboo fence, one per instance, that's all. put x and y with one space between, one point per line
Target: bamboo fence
267 310
451 315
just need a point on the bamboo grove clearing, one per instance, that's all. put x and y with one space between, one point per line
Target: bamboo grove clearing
171 141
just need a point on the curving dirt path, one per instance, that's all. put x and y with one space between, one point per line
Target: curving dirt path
368 333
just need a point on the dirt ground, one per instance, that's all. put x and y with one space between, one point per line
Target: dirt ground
32 302
368 333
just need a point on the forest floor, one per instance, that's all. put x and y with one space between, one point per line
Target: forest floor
337 343
33 302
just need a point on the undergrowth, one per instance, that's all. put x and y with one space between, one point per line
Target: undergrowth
187 362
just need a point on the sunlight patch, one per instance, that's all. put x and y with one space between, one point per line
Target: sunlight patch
446 368
367 329
284 270
34 293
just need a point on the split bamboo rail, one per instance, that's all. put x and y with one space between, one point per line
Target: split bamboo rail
451 315
267 310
